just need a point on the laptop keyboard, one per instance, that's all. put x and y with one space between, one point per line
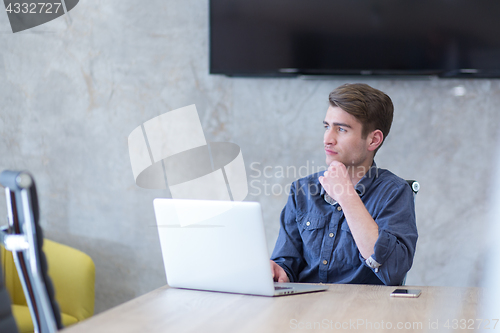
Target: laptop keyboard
281 288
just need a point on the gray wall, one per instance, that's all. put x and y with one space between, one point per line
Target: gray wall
72 90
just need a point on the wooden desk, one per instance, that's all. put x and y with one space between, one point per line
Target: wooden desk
360 308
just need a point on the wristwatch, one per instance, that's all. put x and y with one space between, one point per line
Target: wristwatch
329 199
372 263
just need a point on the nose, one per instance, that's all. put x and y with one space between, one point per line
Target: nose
329 138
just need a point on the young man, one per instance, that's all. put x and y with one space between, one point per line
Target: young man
353 223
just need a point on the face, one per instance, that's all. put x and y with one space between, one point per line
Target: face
343 140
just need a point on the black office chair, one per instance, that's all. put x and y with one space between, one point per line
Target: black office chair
24 238
415 187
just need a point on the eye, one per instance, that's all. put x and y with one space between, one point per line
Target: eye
326 126
341 129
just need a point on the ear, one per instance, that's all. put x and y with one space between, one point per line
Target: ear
375 139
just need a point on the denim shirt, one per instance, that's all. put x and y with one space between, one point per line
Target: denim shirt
315 243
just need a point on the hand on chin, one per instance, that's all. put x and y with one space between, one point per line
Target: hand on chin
336 180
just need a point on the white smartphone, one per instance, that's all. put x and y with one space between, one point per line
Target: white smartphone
406 293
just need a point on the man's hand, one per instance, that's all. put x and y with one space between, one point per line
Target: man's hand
279 274
339 186
336 181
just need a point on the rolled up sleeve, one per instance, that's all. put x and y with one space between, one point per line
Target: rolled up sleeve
396 243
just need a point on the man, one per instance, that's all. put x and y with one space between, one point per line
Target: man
353 223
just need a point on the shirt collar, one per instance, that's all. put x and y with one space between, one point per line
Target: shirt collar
360 187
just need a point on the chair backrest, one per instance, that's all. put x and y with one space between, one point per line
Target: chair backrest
415 187
24 237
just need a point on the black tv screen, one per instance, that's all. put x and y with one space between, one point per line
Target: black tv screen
447 38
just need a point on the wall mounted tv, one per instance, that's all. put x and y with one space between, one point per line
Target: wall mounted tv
445 38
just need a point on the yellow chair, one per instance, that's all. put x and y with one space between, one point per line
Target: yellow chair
73 276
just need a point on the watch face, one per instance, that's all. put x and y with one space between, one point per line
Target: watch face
373 263
329 199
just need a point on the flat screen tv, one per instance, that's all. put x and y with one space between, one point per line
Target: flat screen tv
445 38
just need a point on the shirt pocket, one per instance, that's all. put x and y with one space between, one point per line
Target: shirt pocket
312 231
346 251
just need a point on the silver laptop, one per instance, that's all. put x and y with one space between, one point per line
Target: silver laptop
218 246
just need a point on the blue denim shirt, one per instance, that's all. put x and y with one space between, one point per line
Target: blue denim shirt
315 244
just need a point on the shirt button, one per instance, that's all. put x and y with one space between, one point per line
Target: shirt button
331 234
325 262
308 223
339 208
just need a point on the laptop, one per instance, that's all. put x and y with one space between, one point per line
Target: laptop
218 246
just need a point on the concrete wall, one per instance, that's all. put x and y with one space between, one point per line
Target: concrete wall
73 89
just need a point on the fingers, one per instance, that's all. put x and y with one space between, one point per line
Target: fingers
279 274
284 278
336 164
335 169
274 270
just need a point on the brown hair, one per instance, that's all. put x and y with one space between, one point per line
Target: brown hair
371 107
